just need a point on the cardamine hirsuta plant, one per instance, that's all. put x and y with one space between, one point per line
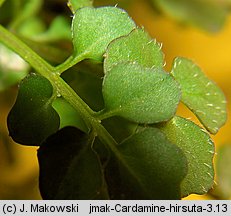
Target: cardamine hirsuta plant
104 120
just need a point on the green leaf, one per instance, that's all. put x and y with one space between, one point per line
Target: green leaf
135 47
68 115
142 95
206 14
201 95
32 118
12 68
94 28
151 168
69 169
199 150
223 173
76 4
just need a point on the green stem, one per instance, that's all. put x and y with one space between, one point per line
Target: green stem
25 52
70 95
41 66
75 5
46 70
71 61
107 139
104 114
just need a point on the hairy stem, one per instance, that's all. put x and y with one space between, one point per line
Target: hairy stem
61 87
71 61
50 72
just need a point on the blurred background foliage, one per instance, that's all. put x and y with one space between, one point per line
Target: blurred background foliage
197 29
